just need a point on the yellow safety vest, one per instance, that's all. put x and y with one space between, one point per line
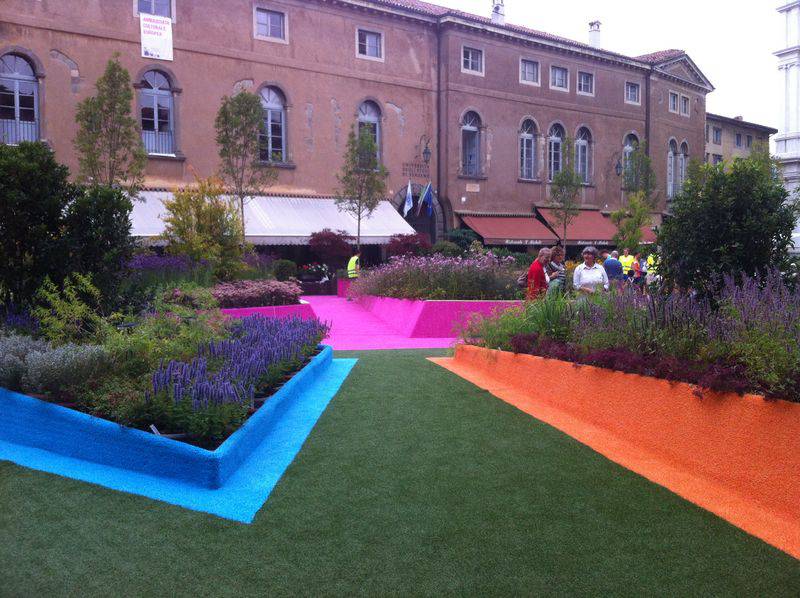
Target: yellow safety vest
651 264
353 267
627 263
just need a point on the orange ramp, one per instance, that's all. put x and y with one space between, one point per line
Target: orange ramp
736 456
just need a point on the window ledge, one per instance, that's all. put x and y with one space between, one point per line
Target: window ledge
530 181
281 165
473 177
177 157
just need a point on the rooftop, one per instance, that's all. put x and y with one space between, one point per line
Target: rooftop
739 121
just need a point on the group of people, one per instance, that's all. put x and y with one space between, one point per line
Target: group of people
548 272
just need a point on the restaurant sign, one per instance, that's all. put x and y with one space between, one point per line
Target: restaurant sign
156 36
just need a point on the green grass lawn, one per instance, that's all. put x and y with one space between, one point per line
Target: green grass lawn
413 482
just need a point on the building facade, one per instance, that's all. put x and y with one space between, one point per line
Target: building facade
479 107
728 138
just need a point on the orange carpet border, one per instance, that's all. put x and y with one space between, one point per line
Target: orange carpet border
737 457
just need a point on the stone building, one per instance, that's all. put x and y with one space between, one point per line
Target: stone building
728 138
479 107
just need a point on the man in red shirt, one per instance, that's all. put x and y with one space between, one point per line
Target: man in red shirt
537 277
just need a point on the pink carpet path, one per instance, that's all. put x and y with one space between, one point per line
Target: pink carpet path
353 328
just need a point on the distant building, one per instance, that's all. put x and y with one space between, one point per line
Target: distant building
728 138
787 142
480 107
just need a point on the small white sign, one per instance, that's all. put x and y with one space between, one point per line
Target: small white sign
156 36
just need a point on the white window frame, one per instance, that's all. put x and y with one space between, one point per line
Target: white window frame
578 84
172 9
267 38
688 102
480 73
555 66
638 93
677 97
538 64
526 139
382 35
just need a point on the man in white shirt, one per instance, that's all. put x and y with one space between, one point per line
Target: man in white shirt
590 276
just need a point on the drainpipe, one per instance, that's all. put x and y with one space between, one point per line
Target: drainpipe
648 108
441 188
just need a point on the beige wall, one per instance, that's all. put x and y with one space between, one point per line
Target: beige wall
727 149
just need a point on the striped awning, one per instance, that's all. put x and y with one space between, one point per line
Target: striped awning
282 220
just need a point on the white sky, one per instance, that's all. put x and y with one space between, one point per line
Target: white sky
731 41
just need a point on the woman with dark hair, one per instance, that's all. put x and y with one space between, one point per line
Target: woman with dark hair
557 271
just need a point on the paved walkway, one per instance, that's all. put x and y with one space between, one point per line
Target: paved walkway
353 328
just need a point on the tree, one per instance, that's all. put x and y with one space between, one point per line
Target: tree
240 125
736 221
639 176
332 248
630 219
34 192
97 235
415 244
109 141
565 190
203 224
362 180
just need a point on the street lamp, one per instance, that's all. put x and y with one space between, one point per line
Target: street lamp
618 168
426 153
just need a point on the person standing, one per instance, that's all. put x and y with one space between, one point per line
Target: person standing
638 272
627 262
590 277
613 268
538 281
557 271
354 266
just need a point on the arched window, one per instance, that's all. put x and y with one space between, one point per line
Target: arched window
471 144
527 150
369 121
671 173
583 154
555 147
157 113
272 141
630 146
683 162
19 100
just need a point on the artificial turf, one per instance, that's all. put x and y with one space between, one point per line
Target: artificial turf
413 482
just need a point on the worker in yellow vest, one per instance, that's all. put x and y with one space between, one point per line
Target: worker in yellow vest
354 266
626 259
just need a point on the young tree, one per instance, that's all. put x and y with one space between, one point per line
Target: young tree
240 127
332 248
565 191
362 180
203 224
630 219
638 174
109 141
736 220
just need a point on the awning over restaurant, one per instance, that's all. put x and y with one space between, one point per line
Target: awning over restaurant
510 230
591 227
282 220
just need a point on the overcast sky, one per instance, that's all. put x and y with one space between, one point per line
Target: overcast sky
731 41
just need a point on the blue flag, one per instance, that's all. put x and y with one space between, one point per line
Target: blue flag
426 199
409 201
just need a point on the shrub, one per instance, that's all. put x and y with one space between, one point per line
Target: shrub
284 270
438 277
69 315
463 237
14 351
332 248
63 368
400 245
257 265
190 296
447 249
257 293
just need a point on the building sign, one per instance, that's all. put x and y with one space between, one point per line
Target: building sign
473 188
156 36
416 170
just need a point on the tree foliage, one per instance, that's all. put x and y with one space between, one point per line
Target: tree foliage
331 247
639 176
239 127
630 219
565 191
203 224
109 142
362 180
736 220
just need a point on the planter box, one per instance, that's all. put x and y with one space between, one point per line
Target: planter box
302 310
342 286
430 319
737 456
40 425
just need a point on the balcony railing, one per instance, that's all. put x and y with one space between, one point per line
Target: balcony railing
16 131
159 142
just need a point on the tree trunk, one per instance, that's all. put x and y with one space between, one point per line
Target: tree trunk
358 237
241 212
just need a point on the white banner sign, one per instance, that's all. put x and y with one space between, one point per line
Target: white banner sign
156 36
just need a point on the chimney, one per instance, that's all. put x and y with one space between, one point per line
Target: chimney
498 13
594 34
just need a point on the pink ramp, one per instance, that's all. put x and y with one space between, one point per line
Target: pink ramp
354 328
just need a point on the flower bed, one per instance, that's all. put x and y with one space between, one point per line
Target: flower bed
437 277
256 293
737 456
